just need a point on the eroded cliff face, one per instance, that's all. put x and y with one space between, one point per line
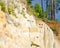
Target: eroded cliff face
23 31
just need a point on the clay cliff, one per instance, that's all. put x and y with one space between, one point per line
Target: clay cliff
22 30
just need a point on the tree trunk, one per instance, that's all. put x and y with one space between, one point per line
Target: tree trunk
52 9
42 6
47 8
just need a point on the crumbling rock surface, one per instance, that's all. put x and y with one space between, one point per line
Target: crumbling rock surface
24 31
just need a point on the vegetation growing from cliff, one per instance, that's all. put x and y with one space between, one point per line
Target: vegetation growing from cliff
2 4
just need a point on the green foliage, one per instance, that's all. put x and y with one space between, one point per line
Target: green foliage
2 4
29 2
11 11
29 7
45 16
24 15
38 11
11 8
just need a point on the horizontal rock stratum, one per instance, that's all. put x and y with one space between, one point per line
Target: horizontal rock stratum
24 31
